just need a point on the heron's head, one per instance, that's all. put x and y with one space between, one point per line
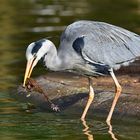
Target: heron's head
35 51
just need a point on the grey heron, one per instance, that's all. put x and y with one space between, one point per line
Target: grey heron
89 48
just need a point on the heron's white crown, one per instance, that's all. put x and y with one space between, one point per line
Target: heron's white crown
41 47
29 50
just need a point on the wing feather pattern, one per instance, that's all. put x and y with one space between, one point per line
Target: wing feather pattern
104 43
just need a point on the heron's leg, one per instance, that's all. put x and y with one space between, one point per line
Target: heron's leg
117 94
90 99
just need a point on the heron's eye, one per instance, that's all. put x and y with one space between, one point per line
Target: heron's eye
43 61
34 55
43 58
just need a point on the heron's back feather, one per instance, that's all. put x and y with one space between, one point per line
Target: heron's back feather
101 43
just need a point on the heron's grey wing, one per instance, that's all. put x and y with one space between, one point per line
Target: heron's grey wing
108 44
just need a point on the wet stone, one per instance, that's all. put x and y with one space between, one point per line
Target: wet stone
66 90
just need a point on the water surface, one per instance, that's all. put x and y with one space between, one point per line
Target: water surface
22 22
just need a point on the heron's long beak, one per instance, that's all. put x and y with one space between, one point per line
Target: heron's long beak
29 67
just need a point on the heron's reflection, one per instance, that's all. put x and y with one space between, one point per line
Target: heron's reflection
110 131
86 130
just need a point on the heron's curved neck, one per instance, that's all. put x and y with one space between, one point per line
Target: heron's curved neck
53 60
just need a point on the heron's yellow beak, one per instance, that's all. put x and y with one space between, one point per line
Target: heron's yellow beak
29 67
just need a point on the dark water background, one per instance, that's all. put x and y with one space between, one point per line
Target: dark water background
24 21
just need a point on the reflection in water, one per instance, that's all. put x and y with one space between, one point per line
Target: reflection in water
86 130
89 135
110 131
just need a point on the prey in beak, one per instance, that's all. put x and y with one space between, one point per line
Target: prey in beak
29 67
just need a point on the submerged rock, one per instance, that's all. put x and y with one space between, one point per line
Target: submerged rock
67 90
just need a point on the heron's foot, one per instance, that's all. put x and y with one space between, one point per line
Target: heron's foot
55 107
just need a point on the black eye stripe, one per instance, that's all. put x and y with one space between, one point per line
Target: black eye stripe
37 46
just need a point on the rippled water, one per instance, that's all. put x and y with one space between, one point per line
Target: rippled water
24 21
